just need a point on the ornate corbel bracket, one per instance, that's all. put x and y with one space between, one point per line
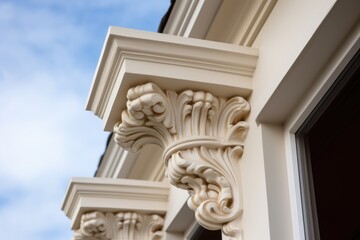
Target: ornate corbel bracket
201 132
98 225
202 139
96 206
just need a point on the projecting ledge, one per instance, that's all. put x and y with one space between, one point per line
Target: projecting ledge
131 58
113 195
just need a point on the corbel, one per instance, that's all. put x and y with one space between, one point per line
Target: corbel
187 96
98 225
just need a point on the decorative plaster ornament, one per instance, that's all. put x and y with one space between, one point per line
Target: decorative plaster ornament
202 137
123 225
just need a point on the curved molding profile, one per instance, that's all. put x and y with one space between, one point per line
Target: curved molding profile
202 139
130 57
119 226
231 21
114 195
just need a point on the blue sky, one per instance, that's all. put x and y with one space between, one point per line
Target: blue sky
48 54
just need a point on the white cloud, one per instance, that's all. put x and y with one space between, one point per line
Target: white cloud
33 216
48 53
46 138
38 123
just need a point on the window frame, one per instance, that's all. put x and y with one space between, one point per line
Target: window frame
304 222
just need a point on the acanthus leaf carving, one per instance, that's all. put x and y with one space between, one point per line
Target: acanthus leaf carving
202 137
123 225
209 179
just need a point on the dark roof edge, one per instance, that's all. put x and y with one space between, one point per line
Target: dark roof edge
165 18
102 156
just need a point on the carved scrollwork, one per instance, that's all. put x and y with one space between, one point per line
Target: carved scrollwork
163 119
123 225
202 137
209 176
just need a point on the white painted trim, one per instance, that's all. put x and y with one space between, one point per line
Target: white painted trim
192 18
113 195
179 16
297 216
179 217
316 92
277 189
116 162
240 21
231 21
297 99
318 54
120 163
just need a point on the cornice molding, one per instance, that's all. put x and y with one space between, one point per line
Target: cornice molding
98 225
231 21
131 57
192 18
240 21
104 194
202 137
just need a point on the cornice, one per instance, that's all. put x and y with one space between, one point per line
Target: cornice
192 18
131 57
231 21
240 21
113 195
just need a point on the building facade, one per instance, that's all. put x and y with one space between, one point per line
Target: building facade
214 125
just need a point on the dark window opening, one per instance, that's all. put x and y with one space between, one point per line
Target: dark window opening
329 161
202 233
